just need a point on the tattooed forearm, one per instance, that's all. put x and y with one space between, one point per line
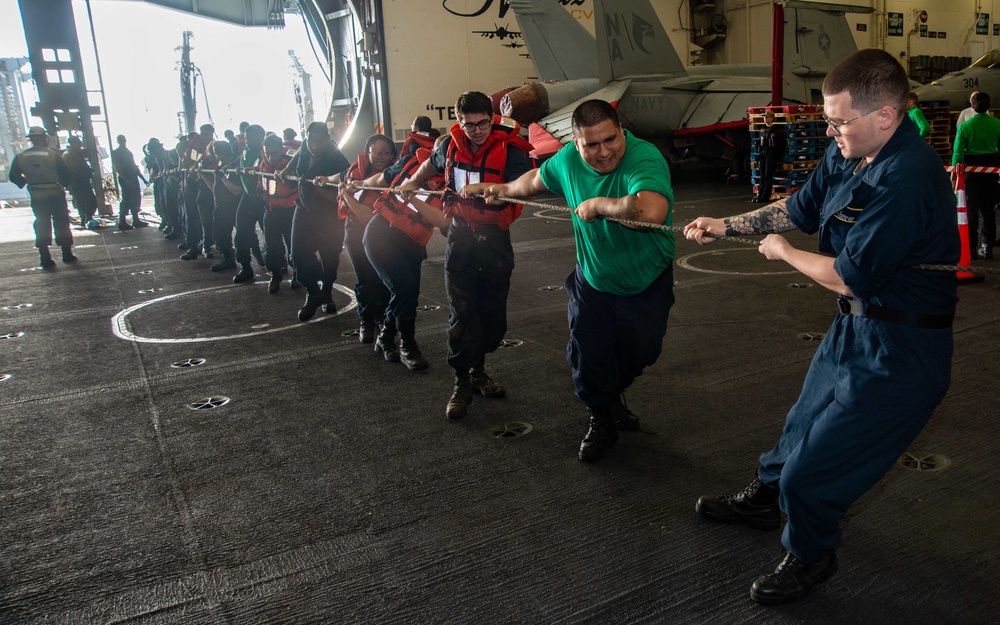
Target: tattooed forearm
630 208
766 220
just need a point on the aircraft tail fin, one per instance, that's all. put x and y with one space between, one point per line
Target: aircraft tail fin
560 47
817 37
631 41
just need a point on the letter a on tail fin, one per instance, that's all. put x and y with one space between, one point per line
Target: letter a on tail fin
631 41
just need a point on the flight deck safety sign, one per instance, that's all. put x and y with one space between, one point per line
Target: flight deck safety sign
895 25
983 24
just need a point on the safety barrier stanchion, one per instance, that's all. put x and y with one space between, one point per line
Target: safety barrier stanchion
964 277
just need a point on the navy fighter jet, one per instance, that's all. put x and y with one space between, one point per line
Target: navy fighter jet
698 110
956 87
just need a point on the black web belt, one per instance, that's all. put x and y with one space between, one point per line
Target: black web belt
893 315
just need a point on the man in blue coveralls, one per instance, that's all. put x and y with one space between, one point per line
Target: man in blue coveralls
881 204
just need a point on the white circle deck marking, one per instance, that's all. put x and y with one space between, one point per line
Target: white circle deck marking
686 264
120 328
553 213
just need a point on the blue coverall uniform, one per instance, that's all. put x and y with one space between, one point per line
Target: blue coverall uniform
876 379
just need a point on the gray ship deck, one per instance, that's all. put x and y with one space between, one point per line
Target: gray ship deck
332 489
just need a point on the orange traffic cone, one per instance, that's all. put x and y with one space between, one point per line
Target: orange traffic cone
965 259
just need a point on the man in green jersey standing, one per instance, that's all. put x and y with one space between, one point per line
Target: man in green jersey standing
621 290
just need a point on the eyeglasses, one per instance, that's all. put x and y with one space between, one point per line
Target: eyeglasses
482 124
835 126
382 154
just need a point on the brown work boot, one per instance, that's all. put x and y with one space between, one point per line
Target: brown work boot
461 397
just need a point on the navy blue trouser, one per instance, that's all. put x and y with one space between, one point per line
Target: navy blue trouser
277 234
192 218
131 200
870 389
206 210
51 212
223 221
250 211
612 338
371 293
397 259
477 268
317 231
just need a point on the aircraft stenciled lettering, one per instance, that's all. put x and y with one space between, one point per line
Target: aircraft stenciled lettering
640 30
582 14
645 103
571 3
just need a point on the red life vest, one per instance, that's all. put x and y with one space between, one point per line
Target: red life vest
487 164
291 146
360 169
285 193
417 140
401 216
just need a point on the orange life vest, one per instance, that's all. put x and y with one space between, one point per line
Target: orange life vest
399 214
487 164
417 140
285 193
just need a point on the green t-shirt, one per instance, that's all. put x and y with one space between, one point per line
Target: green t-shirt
979 135
613 258
919 120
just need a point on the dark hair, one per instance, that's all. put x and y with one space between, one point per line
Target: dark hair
474 102
221 149
243 126
981 101
873 78
434 132
375 138
207 128
228 133
318 127
254 129
593 112
289 133
422 123
274 140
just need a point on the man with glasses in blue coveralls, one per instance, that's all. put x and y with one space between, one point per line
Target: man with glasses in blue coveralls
881 203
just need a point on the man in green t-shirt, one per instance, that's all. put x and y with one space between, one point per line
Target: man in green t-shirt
916 115
621 290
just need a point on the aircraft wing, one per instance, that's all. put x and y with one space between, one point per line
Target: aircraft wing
560 123
721 110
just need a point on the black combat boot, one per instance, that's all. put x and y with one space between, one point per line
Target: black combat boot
122 224
329 307
45 258
623 418
602 434
312 304
366 332
245 274
792 579
461 396
274 284
67 254
228 262
385 344
192 253
409 352
755 506
483 384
